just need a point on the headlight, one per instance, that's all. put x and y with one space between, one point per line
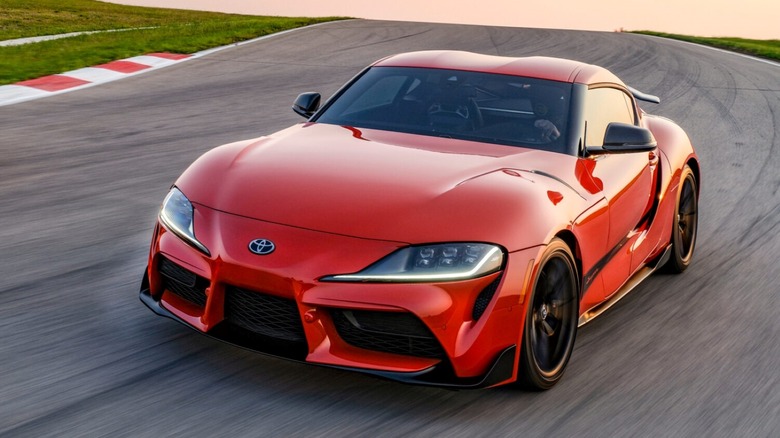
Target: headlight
440 262
176 214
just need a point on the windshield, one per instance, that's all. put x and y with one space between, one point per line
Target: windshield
493 108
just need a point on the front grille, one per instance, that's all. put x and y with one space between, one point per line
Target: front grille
264 314
389 332
183 283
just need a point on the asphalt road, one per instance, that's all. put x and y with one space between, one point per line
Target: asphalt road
82 175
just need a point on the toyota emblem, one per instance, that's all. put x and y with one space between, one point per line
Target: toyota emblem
262 246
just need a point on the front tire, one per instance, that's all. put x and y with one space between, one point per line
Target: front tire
685 225
551 319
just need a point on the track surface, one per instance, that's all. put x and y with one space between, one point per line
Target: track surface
82 175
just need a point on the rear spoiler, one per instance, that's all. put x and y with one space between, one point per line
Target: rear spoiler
644 96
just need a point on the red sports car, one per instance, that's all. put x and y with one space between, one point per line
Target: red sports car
446 218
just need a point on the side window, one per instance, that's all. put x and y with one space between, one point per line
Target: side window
382 92
603 106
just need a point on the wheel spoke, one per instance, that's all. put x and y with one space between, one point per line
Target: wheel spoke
548 329
687 215
543 287
558 279
542 351
549 285
687 205
687 194
557 308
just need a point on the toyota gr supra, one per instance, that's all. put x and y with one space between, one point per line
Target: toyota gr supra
446 218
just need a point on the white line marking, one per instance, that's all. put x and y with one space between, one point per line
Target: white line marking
37 39
754 58
254 40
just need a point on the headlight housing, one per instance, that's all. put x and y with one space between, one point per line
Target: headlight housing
435 262
176 215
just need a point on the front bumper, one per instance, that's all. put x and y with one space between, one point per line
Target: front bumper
472 351
440 375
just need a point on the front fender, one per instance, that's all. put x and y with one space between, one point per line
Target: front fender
522 208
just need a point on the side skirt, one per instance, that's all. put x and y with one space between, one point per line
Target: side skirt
629 285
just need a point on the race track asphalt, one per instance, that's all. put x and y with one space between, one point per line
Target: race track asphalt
82 175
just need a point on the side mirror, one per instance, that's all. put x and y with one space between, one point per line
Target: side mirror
306 104
622 138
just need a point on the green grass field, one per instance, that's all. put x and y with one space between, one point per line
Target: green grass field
769 49
172 30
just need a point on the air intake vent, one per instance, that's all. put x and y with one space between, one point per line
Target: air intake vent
389 332
183 283
483 299
264 314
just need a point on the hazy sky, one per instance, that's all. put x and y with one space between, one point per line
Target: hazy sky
743 18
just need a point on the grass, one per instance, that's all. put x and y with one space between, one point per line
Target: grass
769 49
175 31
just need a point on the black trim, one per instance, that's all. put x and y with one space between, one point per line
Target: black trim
662 259
588 278
442 376
439 375
576 141
649 217
551 176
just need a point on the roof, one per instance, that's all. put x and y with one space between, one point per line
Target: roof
541 67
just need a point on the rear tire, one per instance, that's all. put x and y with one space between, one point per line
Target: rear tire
685 223
551 319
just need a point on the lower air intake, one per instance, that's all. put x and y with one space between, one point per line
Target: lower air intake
388 332
264 314
183 283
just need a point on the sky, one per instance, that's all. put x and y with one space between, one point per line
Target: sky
758 19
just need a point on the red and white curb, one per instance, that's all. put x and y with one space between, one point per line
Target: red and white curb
100 74
85 77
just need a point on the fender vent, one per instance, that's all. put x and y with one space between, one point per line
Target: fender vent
483 299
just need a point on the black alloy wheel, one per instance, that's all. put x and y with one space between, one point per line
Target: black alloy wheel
551 319
685 225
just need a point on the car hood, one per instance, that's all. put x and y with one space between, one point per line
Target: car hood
372 184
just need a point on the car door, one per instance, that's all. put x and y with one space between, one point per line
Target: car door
626 178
